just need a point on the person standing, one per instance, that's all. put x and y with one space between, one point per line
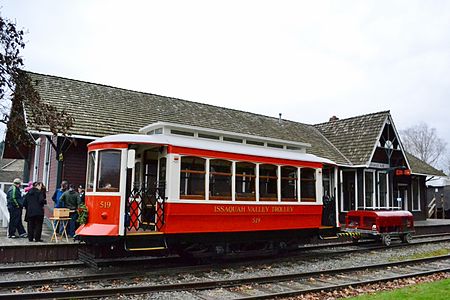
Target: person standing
71 200
58 193
81 192
15 205
34 204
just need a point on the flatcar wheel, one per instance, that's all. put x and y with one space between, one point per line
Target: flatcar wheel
407 238
386 240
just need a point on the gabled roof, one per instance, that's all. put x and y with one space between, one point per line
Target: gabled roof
419 167
355 137
11 169
101 110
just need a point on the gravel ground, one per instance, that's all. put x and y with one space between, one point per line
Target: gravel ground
282 267
252 269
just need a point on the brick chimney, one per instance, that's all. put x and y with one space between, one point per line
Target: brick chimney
334 118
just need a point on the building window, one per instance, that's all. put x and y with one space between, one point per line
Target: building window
308 185
108 171
383 191
90 172
37 152
327 182
192 178
268 183
416 194
245 181
369 190
220 176
289 179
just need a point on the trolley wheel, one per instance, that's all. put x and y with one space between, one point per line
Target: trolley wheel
406 238
386 240
355 239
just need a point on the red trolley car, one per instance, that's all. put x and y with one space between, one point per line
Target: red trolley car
192 191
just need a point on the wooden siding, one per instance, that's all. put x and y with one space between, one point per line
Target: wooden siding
75 160
53 169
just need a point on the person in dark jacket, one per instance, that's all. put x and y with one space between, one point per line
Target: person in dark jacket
34 204
71 200
58 193
15 206
81 192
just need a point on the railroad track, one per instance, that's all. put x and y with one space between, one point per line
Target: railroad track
176 264
265 287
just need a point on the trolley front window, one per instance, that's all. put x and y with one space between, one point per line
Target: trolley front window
108 171
90 172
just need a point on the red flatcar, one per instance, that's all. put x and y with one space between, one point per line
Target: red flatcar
198 192
381 224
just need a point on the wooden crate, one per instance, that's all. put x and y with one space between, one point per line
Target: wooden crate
61 212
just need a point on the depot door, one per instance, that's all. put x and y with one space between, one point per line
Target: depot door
400 200
348 190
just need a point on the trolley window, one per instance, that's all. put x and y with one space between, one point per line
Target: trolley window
90 172
192 178
268 183
308 185
220 179
108 171
245 181
289 181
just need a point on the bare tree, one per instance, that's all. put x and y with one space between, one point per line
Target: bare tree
17 91
423 142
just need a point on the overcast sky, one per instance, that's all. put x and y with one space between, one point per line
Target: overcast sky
308 60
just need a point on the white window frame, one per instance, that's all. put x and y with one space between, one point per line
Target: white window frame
46 169
373 189
37 155
386 175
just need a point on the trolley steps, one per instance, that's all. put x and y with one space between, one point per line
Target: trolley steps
328 232
145 241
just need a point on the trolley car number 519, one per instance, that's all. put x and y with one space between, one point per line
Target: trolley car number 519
105 204
256 220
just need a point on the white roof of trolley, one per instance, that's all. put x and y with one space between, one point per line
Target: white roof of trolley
223 146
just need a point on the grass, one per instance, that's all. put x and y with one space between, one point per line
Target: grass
443 251
433 290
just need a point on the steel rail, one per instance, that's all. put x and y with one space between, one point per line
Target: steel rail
107 262
176 267
341 286
103 292
51 265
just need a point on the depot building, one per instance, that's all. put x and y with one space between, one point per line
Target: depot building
370 170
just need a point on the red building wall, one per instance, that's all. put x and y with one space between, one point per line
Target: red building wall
75 160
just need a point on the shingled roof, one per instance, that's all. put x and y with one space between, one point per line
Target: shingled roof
101 110
420 167
355 137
